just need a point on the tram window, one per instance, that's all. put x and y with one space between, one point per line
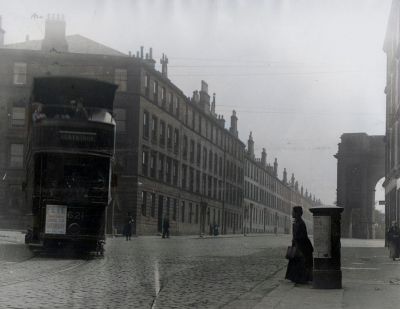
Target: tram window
18 116
16 155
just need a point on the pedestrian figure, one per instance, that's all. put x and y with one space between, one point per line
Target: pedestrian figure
128 227
38 114
393 237
299 269
165 228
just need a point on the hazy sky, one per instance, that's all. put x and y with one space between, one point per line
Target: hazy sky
299 73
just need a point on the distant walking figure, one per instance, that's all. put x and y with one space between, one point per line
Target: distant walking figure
165 228
299 269
128 227
393 237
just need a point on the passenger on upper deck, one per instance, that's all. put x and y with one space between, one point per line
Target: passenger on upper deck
38 114
80 111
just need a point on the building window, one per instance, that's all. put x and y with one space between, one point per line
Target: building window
215 188
209 186
197 181
153 159
120 119
163 98
176 140
168 206
144 202
174 210
146 125
204 185
185 147
198 154
215 164
196 217
210 160
191 151
169 136
190 212
146 81
177 107
162 133
153 205
20 73
155 91
183 212
160 167
18 116
200 124
16 155
175 173
191 179
204 158
121 79
154 121
170 103
168 169
184 175
145 162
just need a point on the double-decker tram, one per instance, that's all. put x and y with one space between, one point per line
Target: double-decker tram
70 149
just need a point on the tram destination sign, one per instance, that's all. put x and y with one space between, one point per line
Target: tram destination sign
78 137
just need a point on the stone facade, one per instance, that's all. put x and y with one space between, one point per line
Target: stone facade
392 157
268 201
174 157
361 160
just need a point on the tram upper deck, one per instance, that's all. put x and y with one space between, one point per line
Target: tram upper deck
72 114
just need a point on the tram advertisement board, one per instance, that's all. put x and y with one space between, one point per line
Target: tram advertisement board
56 219
322 237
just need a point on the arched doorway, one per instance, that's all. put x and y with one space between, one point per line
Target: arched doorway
361 163
379 213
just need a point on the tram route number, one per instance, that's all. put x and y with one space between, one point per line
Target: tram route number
75 215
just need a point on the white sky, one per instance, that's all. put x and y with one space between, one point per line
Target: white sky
298 72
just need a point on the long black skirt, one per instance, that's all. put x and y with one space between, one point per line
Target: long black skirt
299 270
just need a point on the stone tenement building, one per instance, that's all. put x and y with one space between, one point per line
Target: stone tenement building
392 140
268 201
174 157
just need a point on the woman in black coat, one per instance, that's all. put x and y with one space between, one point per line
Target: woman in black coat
300 267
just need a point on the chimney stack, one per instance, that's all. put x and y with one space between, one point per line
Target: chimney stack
263 157
164 66
250 145
276 167
292 180
233 128
196 97
54 34
204 97
1 33
284 176
221 121
213 105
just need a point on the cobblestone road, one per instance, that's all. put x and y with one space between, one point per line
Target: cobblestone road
147 272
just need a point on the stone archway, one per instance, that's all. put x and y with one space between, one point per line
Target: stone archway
361 163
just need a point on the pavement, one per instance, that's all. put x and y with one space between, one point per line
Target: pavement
370 280
191 272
